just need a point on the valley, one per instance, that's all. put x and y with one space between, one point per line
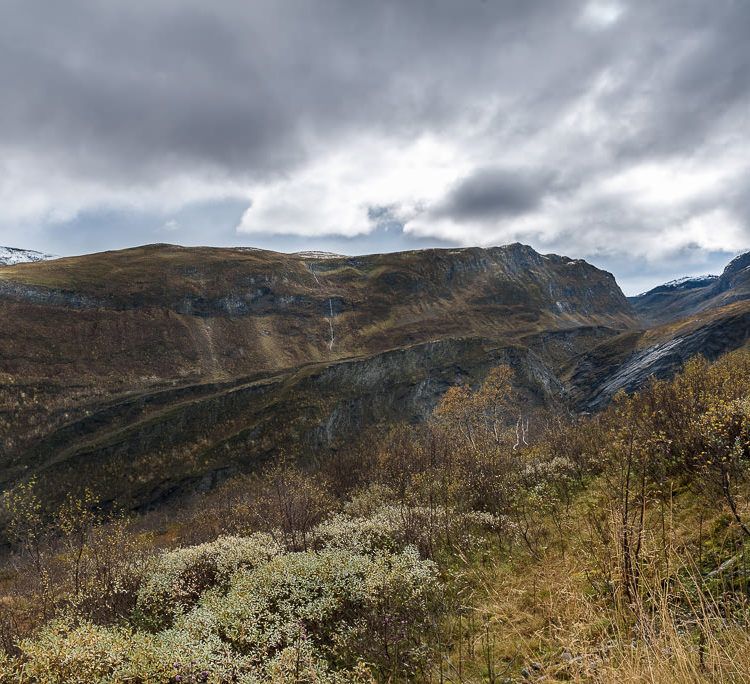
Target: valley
217 438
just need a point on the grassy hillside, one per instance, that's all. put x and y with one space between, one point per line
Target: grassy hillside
158 371
483 546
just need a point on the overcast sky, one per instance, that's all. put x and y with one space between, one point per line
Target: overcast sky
612 131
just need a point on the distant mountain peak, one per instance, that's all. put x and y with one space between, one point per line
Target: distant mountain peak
739 263
686 283
9 256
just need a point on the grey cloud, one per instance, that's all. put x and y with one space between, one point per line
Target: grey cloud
493 193
685 71
133 92
134 88
193 225
128 88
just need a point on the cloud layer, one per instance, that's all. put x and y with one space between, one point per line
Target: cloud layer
607 130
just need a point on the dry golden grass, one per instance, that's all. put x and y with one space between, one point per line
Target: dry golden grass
557 611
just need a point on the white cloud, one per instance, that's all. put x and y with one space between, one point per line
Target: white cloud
714 230
333 194
33 192
600 14
631 119
658 184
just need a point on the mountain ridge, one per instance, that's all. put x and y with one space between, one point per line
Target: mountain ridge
159 370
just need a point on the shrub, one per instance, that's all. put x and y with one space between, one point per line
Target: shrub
347 606
178 578
64 652
393 527
307 616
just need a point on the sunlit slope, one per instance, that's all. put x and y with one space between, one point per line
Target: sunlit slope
172 312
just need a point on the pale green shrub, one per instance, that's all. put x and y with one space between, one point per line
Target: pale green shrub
299 664
369 500
310 616
66 653
345 605
240 609
393 527
178 578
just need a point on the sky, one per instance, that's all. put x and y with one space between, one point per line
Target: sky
607 130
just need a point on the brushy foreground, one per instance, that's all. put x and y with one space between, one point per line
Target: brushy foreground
493 545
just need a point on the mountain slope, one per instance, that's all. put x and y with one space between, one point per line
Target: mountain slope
174 312
156 369
156 446
627 361
680 299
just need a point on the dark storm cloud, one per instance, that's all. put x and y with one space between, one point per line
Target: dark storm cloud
685 75
123 87
494 193
239 87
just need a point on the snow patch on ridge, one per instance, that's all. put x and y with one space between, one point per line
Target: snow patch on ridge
317 255
9 256
688 282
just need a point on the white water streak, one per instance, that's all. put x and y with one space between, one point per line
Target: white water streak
330 306
330 322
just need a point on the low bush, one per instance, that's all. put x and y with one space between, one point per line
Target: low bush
177 579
